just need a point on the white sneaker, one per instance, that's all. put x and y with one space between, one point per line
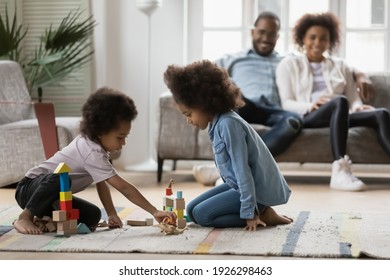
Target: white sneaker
342 177
219 181
206 174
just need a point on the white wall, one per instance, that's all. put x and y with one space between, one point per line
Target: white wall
121 52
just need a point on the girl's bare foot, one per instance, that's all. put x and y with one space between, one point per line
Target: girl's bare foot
24 224
271 218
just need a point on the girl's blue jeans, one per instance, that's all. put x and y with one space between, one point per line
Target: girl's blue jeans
218 207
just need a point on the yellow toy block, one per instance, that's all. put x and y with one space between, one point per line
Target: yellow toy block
179 213
62 168
65 196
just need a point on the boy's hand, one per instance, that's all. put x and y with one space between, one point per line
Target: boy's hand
114 221
251 224
160 215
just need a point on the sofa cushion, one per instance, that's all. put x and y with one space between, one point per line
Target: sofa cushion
13 89
381 81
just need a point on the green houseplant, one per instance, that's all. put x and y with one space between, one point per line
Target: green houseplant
60 50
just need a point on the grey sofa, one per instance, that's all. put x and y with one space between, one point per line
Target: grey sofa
176 140
20 139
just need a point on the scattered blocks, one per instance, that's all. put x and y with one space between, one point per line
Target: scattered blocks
146 222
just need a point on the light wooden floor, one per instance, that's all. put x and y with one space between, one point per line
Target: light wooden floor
307 194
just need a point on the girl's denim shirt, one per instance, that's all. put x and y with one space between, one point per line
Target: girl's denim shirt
246 164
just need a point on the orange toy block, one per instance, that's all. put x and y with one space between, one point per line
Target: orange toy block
66 205
74 214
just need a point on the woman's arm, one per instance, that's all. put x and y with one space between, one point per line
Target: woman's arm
287 81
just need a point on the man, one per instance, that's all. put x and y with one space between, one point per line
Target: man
253 70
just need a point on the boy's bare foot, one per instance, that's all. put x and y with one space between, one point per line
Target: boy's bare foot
271 218
24 224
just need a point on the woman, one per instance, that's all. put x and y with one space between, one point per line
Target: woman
324 90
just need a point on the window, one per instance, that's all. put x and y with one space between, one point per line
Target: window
225 27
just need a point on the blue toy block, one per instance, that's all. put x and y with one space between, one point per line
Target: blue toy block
64 182
82 228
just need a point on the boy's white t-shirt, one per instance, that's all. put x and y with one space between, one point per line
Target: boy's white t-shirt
88 161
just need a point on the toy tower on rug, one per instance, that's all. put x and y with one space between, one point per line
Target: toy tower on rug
66 217
175 204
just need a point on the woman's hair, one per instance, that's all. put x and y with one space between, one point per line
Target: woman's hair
327 20
103 112
204 86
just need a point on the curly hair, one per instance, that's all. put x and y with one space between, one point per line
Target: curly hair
104 110
327 20
203 85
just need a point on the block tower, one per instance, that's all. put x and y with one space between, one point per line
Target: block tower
175 204
66 217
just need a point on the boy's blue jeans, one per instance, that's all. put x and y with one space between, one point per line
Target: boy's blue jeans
219 207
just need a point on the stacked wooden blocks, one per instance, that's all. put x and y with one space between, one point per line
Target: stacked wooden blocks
66 217
175 204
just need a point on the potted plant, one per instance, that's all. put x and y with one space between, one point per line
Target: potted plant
60 50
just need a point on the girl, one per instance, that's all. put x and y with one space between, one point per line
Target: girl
324 90
205 95
106 122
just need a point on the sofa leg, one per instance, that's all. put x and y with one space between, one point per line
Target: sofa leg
160 162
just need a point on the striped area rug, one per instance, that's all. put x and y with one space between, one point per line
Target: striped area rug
312 235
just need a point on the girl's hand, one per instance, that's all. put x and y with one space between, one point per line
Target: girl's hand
251 224
160 215
364 107
321 101
114 221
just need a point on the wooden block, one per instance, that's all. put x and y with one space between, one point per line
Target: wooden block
66 205
146 222
179 194
51 226
179 213
72 224
168 202
74 214
65 196
64 182
62 168
181 223
179 204
59 215
64 225
67 232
